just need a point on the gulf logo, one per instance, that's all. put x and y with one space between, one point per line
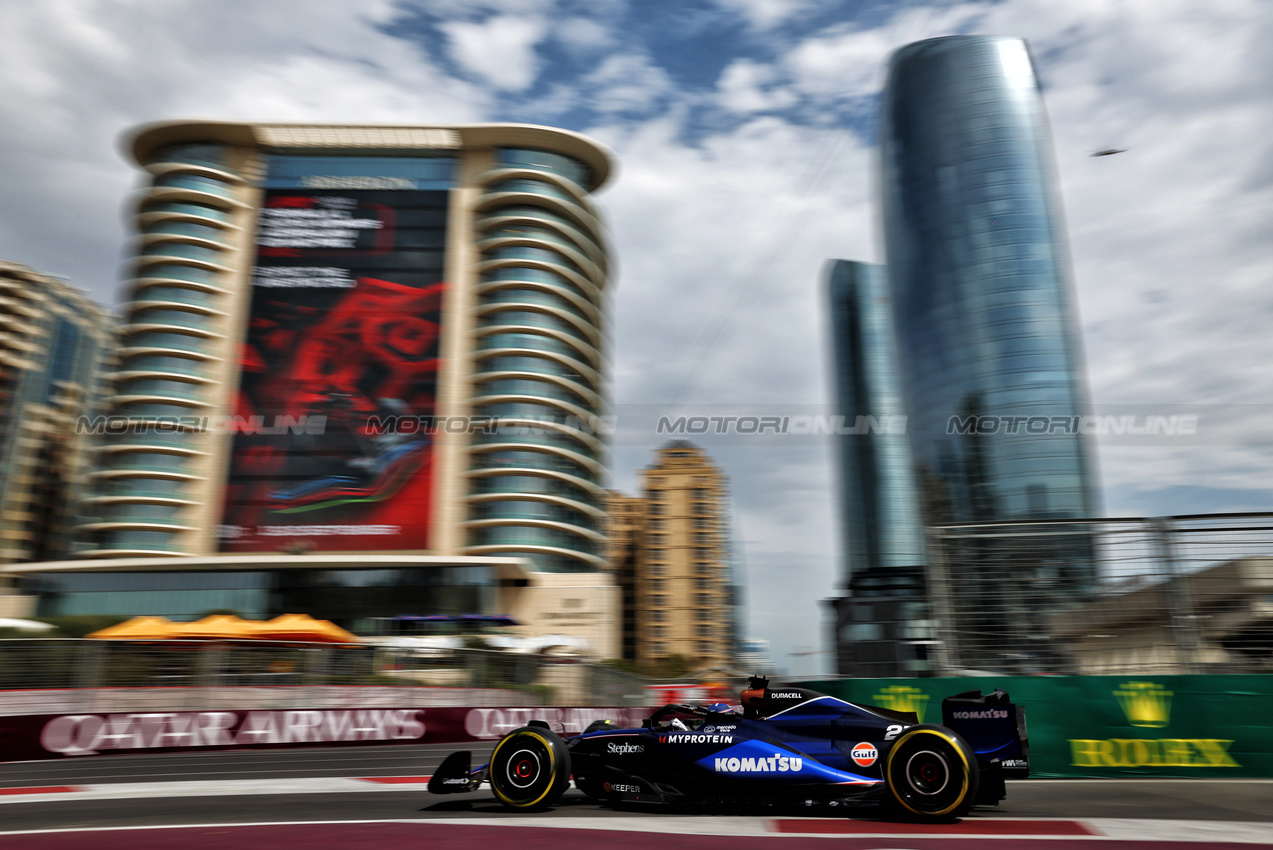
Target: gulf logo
864 754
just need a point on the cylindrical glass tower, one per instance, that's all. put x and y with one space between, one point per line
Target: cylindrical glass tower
880 521
977 259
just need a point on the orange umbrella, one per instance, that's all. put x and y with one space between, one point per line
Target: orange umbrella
303 627
217 626
139 628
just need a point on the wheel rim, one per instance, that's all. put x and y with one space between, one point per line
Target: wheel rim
927 773
523 768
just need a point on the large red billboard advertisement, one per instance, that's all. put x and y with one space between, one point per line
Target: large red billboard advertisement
344 331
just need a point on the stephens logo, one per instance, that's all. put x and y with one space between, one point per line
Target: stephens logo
983 714
777 764
624 749
695 738
865 754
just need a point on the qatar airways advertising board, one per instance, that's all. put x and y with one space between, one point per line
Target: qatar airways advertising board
344 334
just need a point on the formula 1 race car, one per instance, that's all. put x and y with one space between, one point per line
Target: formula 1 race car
788 745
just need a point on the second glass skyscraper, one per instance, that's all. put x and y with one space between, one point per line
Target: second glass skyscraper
976 253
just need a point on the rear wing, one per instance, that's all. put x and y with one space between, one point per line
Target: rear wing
993 726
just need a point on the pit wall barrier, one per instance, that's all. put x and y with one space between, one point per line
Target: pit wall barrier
55 736
1208 726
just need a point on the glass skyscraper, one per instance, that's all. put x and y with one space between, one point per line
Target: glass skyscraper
990 357
880 522
977 260
879 511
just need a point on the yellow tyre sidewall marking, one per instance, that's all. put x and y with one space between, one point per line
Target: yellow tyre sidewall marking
888 771
552 770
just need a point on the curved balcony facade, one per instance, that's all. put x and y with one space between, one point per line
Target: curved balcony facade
537 479
152 470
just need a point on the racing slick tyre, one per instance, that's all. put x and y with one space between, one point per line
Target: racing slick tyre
932 773
530 769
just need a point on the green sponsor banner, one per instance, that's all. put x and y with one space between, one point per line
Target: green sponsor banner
1093 726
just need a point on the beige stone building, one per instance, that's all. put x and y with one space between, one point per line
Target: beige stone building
349 340
671 553
52 342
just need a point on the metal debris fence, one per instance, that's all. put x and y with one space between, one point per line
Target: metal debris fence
40 676
1176 595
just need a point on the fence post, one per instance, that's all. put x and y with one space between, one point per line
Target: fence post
1176 593
90 663
945 652
209 672
316 676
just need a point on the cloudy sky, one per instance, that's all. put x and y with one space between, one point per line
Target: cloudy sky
745 135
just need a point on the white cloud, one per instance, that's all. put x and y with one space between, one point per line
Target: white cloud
766 14
500 50
627 82
583 35
746 86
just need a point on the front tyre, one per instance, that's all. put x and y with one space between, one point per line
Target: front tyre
530 769
932 773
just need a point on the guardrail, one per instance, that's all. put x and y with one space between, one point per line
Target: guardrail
46 676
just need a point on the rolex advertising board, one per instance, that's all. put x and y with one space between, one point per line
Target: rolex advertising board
1092 726
343 335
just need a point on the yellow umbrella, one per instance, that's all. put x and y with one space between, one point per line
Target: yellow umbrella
303 627
139 628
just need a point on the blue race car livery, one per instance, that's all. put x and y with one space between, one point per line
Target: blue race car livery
789 744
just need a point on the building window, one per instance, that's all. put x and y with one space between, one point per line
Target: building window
703 599
703 583
658 601
704 630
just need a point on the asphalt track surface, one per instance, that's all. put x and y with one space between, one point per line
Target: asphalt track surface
354 797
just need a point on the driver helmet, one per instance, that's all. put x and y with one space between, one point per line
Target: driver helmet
720 708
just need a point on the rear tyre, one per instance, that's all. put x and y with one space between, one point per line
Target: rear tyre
932 773
530 769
